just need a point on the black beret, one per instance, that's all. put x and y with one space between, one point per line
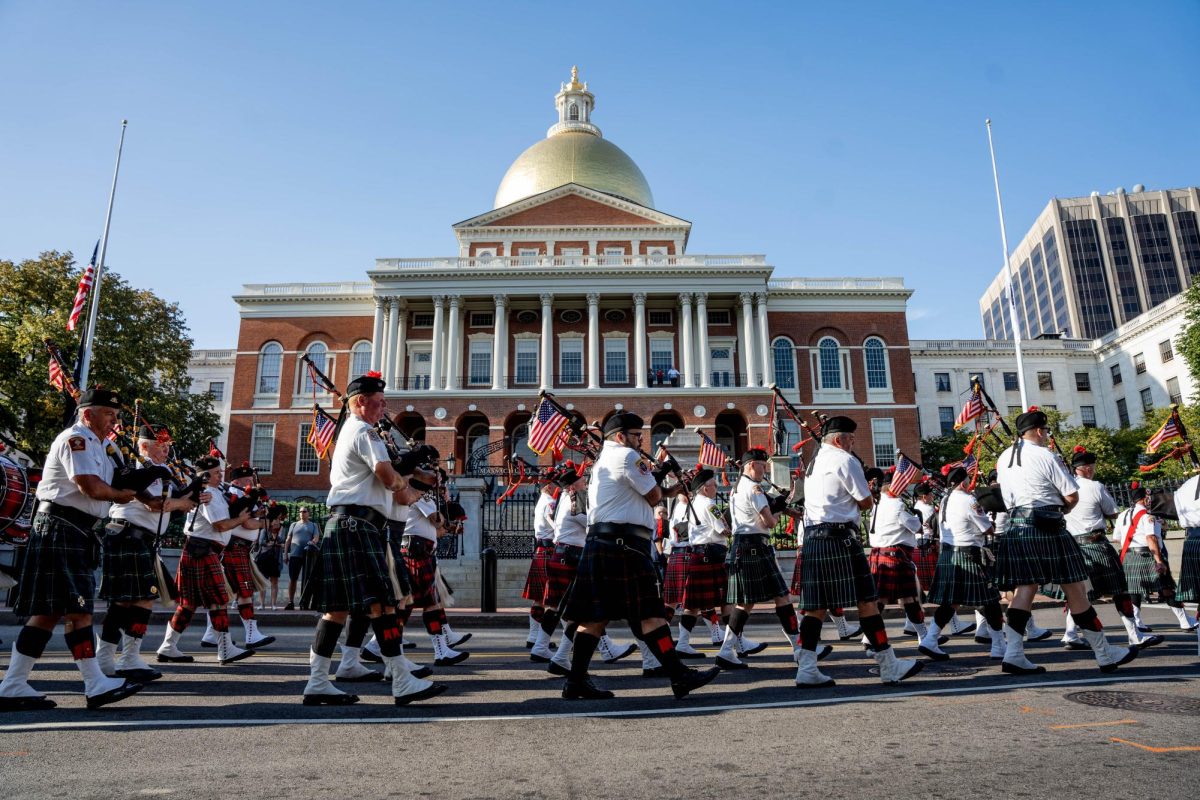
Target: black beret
1136 491
205 463
700 478
243 471
1082 458
993 475
1030 420
755 454
838 425
873 474
623 421
956 476
370 383
99 397
924 487
566 478
156 433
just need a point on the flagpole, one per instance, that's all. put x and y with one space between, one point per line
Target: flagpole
1012 298
90 332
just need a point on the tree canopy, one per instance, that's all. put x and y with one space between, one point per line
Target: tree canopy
141 349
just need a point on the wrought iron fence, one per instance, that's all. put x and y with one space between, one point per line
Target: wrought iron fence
507 528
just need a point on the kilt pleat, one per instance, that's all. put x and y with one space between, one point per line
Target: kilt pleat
1189 570
676 577
1029 555
354 572
961 579
535 580
835 573
797 572
1141 576
894 572
201 578
236 561
707 578
615 581
58 573
1104 569
560 571
753 574
925 557
420 557
127 569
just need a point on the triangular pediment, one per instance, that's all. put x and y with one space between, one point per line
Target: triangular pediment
569 206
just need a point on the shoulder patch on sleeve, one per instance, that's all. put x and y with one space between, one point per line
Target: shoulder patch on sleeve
373 434
757 489
77 443
643 467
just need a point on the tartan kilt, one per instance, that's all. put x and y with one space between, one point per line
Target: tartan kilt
707 578
1189 570
836 573
797 572
420 558
535 580
1027 555
677 568
58 573
1141 575
961 579
1104 568
560 571
615 581
127 569
753 574
236 561
894 572
353 575
926 560
201 578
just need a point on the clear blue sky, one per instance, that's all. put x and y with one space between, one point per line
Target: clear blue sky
300 141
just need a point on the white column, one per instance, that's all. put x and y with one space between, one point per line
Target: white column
437 351
746 340
500 344
454 346
685 340
547 347
396 355
639 340
764 340
702 336
593 340
377 342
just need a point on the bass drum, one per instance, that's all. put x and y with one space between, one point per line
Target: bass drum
17 500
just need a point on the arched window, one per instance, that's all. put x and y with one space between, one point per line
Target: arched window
830 363
520 444
317 353
270 365
573 112
360 359
659 434
785 363
875 354
477 441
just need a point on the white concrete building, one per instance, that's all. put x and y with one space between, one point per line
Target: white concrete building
212 371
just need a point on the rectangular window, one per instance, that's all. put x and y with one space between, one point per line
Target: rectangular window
662 357
1173 391
422 319
946 419
479 365
526 365
718 316
262 446
1045 381
616 361
307 462
941 381
217 390
1147 399
1122 413
1088 415
527 255
659 317
614 255
1139 363
1115 369
1165 351
570 364
974 377
1011 384
483 319
1083 382
785 364
883 437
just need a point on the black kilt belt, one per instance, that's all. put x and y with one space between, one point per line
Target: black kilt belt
58 572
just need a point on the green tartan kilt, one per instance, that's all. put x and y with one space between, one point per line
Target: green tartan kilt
1189 571
1104 568
1028 555
1141 576
127 568
58 574
962 579
753 574
354 572
835 572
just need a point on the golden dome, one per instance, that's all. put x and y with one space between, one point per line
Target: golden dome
574 157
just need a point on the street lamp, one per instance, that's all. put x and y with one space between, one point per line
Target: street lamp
450 464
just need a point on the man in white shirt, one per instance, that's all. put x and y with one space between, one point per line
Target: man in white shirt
1186 503
1144 556
893 539
706 576
543 548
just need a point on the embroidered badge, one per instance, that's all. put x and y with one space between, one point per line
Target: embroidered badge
153 590
374 434
643 467
757 490
77 444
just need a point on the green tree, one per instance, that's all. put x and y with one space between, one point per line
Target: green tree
1188 343
142 349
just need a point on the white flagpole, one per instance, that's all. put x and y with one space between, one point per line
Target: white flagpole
90 338
1012 297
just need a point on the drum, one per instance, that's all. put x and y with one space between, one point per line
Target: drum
17 501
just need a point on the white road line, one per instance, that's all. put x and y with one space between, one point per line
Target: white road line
35 727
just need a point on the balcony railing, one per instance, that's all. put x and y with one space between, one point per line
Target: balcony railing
717 380
519 262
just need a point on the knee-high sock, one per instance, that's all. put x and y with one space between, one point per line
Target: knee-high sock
569 631
788 621
1086 620
810 632
550 621
537 612
81 643
915 612
660 643
435 621
942 615
182 618
688 622
356 631
738 618
876 634
387 633
325 637
137 620
994 616
220 619
403 615
246 610
1124 604
32 641
1018 619
114 621
583 647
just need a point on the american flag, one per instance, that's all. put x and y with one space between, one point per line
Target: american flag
711 454
323 428
545 427
1168 431
974 408
970 463
906 472
57 379
560 444
85 283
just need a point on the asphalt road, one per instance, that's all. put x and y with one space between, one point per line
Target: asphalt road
958 729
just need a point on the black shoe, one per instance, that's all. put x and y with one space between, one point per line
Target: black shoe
693 656
1079 644
263 642
405 644
1043 636
461 639
422 672
628 651
1130 656
538 659
1145 629
330 699
242 656
656 672
26 704
175 659
584 690
450 662
692 680
934 655
370 678
968 629
1150 641
367 655
758 648
212 645
724 663
985 640
1012 669
113 695
290 607
529 645
424 694
824 652
139 675
558 669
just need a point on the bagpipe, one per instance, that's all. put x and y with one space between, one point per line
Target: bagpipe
813 434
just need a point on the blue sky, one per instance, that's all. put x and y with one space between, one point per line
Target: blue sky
300 141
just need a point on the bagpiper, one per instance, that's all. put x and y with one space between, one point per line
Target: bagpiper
1144 557
543 548
1185 506
706 577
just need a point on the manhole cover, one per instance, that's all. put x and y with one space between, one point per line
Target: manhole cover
939 669
1139 701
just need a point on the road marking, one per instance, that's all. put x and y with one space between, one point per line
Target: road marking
662 712
1094 724
1148 748
1045 712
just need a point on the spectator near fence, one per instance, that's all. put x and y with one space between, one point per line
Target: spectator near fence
300 536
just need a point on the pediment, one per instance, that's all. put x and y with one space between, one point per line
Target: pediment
571 206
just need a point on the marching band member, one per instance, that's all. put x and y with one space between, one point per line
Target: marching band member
706 580
235 559
677 548
1187 507
1147 571
419 545
543 548
893 540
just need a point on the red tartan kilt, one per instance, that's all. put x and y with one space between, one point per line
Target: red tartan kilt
796 582
706 583
201 581
560 571
894 573
236 561
926 561
676 577
535 581
422 570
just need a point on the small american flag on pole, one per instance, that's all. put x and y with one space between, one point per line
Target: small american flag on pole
972 410
545 427
323 428
906 472
1169 430
81 293
57 379
711 454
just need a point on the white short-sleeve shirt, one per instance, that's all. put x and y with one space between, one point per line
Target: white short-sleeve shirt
833 486
569 527
1186 504
616 492
929 519
748 500
964 523
76 451
543 517
418 519
200 521
892 523
1040 479
136 513
1095 504
711 529
1148 526
352 478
